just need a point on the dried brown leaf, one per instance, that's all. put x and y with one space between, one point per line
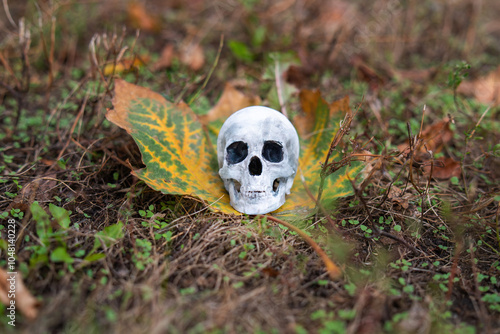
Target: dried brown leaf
309 100
444 168
125 65
24 300
368 74
433 138
297 75
415 75
128 93
141 19
332 17
166 56
437 135
398 196
485 89
193 56
230 101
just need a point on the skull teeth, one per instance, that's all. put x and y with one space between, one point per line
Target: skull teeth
255 194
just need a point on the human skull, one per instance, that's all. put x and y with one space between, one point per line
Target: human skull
258 153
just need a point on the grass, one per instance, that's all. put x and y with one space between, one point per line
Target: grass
103 252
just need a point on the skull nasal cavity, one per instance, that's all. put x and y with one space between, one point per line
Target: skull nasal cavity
255 166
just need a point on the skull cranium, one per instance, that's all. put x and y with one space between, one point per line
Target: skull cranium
258 152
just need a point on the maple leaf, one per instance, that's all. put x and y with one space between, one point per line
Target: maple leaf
322 120
180 157
231 100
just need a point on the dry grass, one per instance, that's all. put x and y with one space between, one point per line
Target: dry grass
433 251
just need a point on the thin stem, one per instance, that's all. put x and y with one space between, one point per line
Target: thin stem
332 269
345 126
279 88
214 65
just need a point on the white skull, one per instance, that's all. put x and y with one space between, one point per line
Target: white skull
258 153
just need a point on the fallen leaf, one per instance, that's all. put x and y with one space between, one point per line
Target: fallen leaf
47 162
485 89
437 135
444 168
415 75
24 300
314 145
270 272
398 196
166 57
193 56
189 54
125 65
297 75
330 19
181 160
141 19
178 158
367 74
304 122
433 138
230 101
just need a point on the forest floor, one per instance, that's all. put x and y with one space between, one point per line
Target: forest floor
98 251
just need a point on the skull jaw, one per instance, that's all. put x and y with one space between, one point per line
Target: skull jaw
256 202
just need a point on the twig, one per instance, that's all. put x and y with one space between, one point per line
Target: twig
479 122
386 195
358 193
413 141
214 65
332 269
78 117
96 39
9 69
54 179
318 205
24 44
467 139
7 12
279 87
343 129
482 312
498 226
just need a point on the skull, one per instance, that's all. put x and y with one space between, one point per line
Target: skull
258 153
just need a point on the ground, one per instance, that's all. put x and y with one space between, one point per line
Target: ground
418 239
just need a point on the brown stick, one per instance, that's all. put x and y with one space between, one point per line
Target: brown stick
332 269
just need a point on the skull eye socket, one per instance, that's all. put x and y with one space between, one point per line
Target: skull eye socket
272 151
236 152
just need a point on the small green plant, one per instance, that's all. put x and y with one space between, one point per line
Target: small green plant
459 71
330 323
105 239
241 51
141 255
402 264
